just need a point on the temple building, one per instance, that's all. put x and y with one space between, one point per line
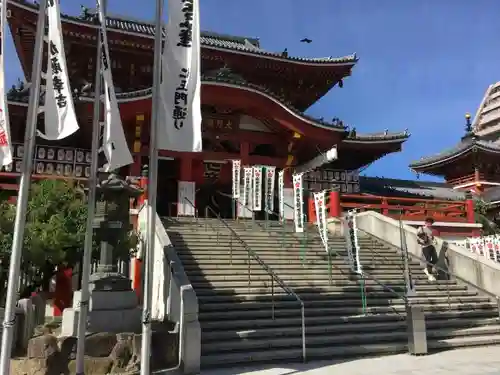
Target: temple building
253 108
472 165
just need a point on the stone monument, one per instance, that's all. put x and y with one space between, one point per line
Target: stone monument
113 305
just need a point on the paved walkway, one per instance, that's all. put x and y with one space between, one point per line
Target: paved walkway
473 361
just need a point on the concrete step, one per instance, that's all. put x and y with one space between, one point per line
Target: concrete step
338 287
257 270
319 296
295 321
304 277
330 340
335 337
295 354
461 342
340 302
264 283
222 254
280 269
281 311
486 324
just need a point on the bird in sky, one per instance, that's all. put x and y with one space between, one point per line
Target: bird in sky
306 40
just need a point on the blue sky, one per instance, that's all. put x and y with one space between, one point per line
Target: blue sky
423 63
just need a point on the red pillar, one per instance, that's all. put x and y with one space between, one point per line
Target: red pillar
469 208
335 208
63 292
136 263
186 172
244 153
311 208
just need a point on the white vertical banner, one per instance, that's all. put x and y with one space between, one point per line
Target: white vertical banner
298 203
320 207
60 117
114 142
351 237
247 185
281 194
179 128
186 191
257 188
5 144
270 173
236 164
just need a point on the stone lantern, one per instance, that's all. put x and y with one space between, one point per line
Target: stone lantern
113 305
112 225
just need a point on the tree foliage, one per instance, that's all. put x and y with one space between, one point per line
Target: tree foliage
54 234
481 214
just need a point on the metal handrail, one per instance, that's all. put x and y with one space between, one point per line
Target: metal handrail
363 275
274 277
438 268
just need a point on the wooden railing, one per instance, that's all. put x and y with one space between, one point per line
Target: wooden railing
411 209
466 179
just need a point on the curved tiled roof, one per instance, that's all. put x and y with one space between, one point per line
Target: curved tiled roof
407 188
15 97
208 39
234 80
467 144
385 136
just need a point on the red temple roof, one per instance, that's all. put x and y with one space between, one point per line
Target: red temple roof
318 75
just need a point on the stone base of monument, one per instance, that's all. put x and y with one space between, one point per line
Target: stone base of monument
105 353
111 310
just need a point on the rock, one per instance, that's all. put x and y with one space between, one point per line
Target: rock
24 366
122 352
93 366
106 353
100 344
43 347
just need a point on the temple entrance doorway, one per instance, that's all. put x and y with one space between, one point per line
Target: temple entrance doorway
167 187
214 198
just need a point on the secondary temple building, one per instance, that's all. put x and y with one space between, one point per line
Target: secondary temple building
472 165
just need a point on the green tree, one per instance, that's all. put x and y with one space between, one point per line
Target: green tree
55 232
481 214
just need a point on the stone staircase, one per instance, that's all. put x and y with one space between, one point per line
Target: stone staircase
241 323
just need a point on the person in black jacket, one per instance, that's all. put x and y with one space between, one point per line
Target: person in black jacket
426 240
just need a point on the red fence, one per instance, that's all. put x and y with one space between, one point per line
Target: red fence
407 208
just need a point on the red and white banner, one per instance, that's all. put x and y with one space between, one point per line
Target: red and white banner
179 128
5 145
320 207
257 188
281 194
247 186
269 188
236 164
298 203
60 116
